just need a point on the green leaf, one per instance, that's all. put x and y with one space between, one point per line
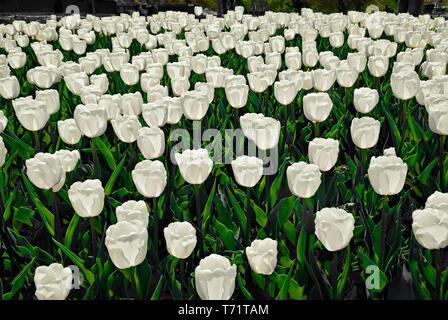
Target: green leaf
106 153
70 230
18 281
225 234
76 260
113 177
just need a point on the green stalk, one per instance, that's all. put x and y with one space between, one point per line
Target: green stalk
437 295
55 209
198 207
95 158
442 160
266 288
403 126
156 224
36 141
317 129
334 274
384 216
137 283
248 214
94 238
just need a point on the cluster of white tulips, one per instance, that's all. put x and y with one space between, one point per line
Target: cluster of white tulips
262 52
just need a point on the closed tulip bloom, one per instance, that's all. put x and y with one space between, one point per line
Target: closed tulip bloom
151 142
9 87
365 99
437 200
174 107
254 62
68 159
277 44
155 114
433 69
334 228
247 170
215 278
303 179
274 59
365 132
346 75
3 121
17 60
404 84
323 153
317 106
205 88
44 170
129 73
68 131
91 119
126 127
378 65
258 81
3 152
293 60
194 105
131 103
262 256
32 114
310 57
180 85
357 60
413 39
50 98
194 165
53 282
336 39
180 239
264 131
285 91
133 211
43 77
430 227
323 79
149 178
387 173
237 95
127 243
76 81
437 116
87 197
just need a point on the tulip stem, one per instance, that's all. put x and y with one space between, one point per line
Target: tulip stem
334 274
93 237
403 126
198 207
266 287
137 283
442 160
384 216
95 158
156 224
437 293
37 142
54 205
260 99
346 104
248 214
316 129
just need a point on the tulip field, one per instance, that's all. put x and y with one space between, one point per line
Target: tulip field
288 156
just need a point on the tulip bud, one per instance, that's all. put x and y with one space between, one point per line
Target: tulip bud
437 116
365 99
378 65
133 211
303 179
346 75
258 81
131 103
9 87
237 95
387 173
334 228
247 170
44 170
87 198
357 61
430 228
323 79
91 119
127 243
194 105
215 278
264 131
53 282
365 132
149 178
180 239
285 91
323 153
51 99
262 256
310 57
32 114
68 159
151 142
129 73
126 127
317 106
336 39
194 165
404 84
